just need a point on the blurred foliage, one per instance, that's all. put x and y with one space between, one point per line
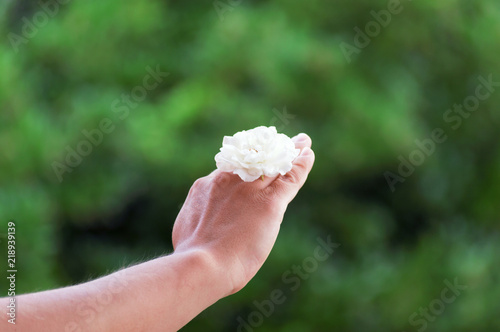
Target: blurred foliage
235 70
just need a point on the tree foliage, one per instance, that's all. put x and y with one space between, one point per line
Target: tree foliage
84 209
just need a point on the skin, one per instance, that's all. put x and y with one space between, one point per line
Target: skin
222 237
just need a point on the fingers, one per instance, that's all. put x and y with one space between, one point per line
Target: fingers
301 141
289 184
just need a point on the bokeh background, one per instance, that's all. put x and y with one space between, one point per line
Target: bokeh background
235 65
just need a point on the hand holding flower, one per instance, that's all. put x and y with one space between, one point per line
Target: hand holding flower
236 223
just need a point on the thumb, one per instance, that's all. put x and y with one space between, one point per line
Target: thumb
289 184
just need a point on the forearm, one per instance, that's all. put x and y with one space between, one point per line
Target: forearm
160 295
235 223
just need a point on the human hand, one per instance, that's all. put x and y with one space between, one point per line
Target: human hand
234 223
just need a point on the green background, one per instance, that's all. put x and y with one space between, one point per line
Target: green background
235 70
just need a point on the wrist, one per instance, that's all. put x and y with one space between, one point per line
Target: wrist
204 269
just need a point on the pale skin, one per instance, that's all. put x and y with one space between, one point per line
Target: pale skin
222 236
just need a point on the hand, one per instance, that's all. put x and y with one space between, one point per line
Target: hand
236 223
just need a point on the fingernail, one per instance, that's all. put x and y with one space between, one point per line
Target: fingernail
300 137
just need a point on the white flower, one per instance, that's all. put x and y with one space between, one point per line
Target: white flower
256 152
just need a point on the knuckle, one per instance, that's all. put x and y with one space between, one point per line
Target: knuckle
263 199
269 199
221 179
198 185
294 175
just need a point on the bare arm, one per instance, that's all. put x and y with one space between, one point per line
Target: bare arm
222 236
